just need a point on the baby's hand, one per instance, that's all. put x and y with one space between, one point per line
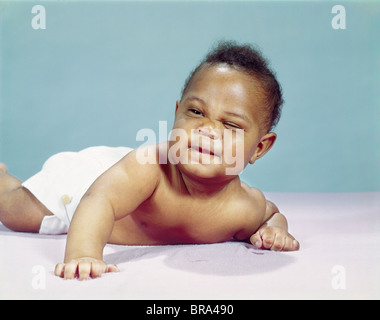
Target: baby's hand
84 268
274 238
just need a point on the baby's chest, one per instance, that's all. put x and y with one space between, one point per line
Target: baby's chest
201 221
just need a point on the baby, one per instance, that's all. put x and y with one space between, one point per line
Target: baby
189 192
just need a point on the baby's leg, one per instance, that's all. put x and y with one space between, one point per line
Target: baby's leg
19 208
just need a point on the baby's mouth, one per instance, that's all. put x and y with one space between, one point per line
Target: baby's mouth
204 151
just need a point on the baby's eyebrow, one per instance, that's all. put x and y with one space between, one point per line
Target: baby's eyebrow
196 99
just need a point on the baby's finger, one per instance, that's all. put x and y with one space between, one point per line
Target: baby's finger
291 244
256 240
97 269
269 238
279 243
59 270
287 244
84 270
112 268
70 270
295 245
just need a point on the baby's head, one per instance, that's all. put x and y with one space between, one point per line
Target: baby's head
228 107
248 60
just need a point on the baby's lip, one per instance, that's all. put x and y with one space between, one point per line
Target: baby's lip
204 151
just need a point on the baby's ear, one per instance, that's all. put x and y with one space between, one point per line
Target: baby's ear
265 144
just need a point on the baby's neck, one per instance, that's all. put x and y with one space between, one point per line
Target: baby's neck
204 187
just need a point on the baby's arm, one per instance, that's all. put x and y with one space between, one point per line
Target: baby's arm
114 195
273 233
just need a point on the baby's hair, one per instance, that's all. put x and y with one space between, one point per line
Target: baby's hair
246 58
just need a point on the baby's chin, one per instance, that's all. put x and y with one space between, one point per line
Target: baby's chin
207 173
202 165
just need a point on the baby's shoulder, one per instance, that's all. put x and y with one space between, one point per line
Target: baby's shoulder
142 162
252 196
252 205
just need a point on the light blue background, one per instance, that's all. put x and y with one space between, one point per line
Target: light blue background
102 71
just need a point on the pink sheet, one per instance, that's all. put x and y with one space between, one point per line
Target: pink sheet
339 259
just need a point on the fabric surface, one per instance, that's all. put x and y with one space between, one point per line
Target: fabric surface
339 259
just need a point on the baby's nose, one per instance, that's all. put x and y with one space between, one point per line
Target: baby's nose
210 132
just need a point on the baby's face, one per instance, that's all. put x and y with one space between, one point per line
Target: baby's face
220 113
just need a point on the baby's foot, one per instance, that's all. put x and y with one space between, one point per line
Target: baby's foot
3 168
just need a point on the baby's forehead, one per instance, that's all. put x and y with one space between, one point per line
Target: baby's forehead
221 69
227 73
230 83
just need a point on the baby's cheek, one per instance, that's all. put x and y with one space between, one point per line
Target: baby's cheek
234 152
233 143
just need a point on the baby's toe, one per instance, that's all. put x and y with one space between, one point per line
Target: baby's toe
3 168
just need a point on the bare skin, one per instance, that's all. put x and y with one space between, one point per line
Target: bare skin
19 209
158 204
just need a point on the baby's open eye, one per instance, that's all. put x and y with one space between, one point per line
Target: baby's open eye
197 112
